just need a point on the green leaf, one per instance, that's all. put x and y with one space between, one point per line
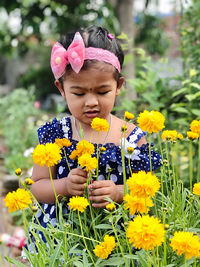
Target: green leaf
78 264
55 255
103 226
180 91
195 112
114 261
16 262
180 109
196 85
191 97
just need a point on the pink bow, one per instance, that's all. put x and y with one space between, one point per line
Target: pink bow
74 56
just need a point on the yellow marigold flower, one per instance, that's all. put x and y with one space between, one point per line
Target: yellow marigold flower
137 204
110 206
196 189
143 184
151 121
49 154
87 162
195 126
63 142
128 116
78 203
180 136
83 147
104 249
18 172
192 72
192 136
17 200
130 150
145 232
186 243
73 155
169 135
100 125
29 181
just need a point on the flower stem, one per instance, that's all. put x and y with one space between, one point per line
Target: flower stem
123 162
198 166
84 239
150 153
97 169
56 198
118 240
66 159
191 165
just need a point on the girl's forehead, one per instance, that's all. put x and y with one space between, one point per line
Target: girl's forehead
97 71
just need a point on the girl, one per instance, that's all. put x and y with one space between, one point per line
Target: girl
86 66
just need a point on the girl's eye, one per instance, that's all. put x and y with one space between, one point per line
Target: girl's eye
80 94
103 93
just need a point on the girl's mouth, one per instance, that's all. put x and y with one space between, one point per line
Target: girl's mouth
91 114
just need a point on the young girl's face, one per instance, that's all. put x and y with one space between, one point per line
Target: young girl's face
91 93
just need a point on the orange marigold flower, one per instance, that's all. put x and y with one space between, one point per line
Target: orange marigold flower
137 204
17 200
83 147
78 203
48 154
145 232
104 249
100 125
128 116
87 162
169 135
192 136
151 121
196 189
143 184
186 243
63 142
110 206
195 126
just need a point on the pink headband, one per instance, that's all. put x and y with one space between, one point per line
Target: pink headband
76 54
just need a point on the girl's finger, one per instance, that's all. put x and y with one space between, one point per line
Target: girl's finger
100 205
98 198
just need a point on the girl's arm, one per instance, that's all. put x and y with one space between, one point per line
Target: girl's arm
71 185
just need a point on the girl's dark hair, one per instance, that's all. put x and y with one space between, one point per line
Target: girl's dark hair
95 36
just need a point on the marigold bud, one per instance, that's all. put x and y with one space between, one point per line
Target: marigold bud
102 149
123 128
166 226
34 208
130 150
18 172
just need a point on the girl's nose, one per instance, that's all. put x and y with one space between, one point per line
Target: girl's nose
91 100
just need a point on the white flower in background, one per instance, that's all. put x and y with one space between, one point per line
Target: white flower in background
28 152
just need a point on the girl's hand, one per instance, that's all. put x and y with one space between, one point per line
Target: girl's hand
99 190
76 182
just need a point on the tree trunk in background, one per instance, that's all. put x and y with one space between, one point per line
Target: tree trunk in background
124 10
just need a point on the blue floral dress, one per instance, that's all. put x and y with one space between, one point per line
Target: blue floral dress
110 162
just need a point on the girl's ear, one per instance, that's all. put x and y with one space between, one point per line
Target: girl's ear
120 83
60 88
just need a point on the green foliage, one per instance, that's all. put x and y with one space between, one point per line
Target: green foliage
17 121
150 32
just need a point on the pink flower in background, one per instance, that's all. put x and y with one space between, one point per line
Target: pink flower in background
37 104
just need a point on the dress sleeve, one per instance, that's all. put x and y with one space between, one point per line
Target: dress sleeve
49 132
